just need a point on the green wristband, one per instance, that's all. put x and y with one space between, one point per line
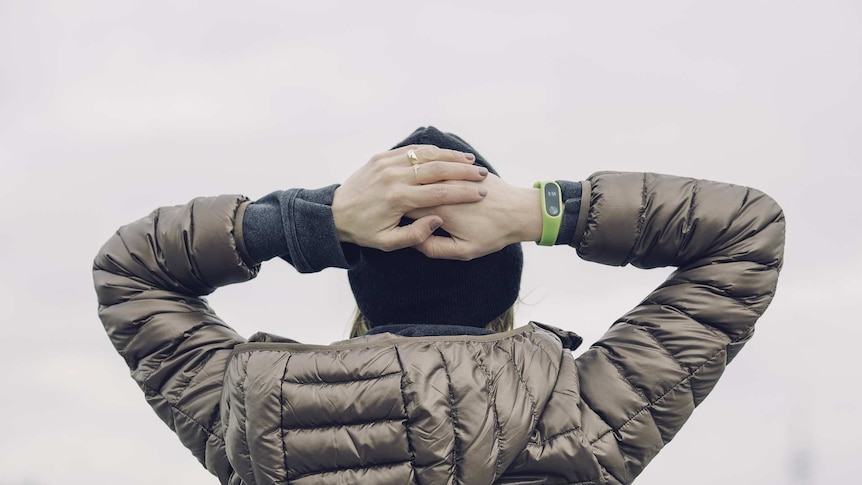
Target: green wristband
552 212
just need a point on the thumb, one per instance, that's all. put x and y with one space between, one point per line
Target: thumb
415 233
440 247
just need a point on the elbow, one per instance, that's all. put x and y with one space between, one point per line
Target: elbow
768 219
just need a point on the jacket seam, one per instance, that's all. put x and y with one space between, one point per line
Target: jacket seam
348 468
195 372
407 432
453 415
179 411
241 386
637 390
542 348
170 348
281 420
660 398
715 330
492 403
533 404
188 240
357 379
687 224
641 220
559 434
658 342
342 425
727 294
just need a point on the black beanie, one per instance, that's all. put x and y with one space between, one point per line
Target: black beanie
406 287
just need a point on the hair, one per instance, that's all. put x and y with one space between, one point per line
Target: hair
503 323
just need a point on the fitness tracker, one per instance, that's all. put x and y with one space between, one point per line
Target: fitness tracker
552 212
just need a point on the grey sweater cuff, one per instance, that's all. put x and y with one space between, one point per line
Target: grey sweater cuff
297 226
571 192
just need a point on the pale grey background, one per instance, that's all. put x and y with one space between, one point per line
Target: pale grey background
111 108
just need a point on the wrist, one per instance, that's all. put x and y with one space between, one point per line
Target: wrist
339 218
528 215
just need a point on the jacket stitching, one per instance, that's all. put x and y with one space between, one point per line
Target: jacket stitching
559 434
492 403
726 293
637 390
687 224
342 425
179 411
539 343
170 348
453 414
406 416
346 381
533 404
188 237
641 221
196 371
715 330
660 398
349 468
661 345
241 386
281 420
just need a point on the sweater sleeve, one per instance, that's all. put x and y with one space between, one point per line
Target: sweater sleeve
297 226
641 381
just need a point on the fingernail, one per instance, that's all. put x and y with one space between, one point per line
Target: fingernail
483 191
470 156
483 171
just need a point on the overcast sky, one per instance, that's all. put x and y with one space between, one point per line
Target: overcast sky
111 108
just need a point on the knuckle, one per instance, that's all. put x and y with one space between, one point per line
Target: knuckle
435 169
415 237
438 192
388 175
432 252
427 153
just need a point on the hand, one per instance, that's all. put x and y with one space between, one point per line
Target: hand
368 206
507 215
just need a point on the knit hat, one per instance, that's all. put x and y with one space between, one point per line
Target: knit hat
406 287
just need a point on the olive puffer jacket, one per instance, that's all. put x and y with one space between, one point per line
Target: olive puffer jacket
514 407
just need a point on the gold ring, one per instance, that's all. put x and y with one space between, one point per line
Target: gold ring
412 156
416 172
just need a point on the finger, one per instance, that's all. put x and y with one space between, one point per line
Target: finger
431 172
441 247
411 235
427 153
442 194
422 212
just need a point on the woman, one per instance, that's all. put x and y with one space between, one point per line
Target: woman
438 388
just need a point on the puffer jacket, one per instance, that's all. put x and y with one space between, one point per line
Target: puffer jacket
514 407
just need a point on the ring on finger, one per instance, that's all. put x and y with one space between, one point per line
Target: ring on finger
416 168
411 155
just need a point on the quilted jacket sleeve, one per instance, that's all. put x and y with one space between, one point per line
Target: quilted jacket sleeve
640 382
150 278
